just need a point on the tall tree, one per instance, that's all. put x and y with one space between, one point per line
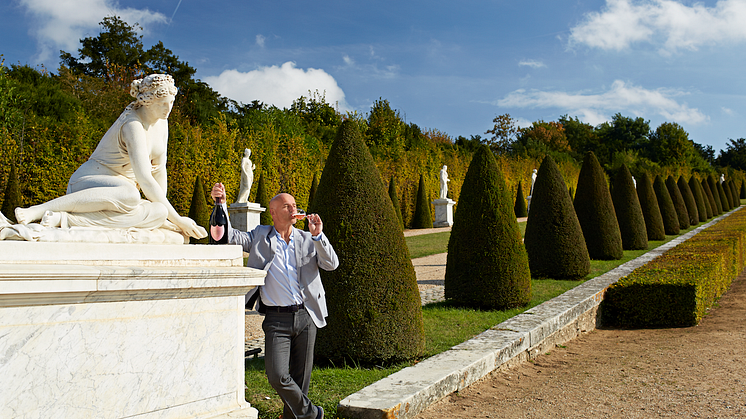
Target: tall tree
622 133
374 303
117 55
118 44
503 133
487 264
734 154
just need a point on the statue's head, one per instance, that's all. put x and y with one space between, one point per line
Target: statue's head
151 87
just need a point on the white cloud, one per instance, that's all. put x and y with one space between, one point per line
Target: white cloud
728 111
532 63
621 97
667 24
60 24
260 39
278 86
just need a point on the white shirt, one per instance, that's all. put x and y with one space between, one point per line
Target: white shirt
281 287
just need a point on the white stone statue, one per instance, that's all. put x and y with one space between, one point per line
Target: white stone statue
247 177
444 182
533 180
722 177
105 190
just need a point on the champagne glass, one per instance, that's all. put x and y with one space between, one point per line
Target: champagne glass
299 214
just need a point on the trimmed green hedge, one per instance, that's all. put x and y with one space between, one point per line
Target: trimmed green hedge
677 288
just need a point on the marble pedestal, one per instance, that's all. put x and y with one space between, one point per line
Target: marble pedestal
443 212
245 215
122 330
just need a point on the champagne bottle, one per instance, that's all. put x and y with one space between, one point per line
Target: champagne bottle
218 224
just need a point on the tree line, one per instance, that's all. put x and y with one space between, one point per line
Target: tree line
51 122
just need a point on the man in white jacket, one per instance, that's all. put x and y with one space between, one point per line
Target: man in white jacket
292 297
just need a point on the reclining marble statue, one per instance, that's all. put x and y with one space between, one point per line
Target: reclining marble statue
105 191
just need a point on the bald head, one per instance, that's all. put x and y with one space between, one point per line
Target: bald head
279 200
281 208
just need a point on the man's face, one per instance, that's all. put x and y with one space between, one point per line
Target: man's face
282 210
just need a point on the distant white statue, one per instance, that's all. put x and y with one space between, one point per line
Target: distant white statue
533 180
722 177
247 177
634 182
131 156
444 182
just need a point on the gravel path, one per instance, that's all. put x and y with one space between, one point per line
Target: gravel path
690 372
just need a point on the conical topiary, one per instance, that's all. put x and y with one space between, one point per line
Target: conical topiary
375 315
678 203
554 241
262 198
487 265
596 213
628 211
650 209
702 205
716 195
395 200
422 216
668 212
12 197
199 211
728 194
743 190
723 198
691 204
520 203
716 209
734 194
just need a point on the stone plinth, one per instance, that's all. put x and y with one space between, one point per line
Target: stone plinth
245 215
114 330
443 212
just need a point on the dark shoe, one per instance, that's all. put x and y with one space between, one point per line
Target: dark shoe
320 415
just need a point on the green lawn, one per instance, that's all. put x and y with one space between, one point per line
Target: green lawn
445 326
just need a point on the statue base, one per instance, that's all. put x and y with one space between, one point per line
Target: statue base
443 212
123 330
245 215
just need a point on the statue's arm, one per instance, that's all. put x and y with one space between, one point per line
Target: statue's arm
158 167
134 137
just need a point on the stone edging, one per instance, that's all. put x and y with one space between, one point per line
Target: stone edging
408 392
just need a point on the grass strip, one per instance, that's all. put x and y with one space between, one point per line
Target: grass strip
445 327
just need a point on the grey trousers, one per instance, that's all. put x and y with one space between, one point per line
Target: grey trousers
288 359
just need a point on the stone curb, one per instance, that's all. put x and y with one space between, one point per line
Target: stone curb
408 392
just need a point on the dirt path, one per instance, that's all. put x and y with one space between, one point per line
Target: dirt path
694 372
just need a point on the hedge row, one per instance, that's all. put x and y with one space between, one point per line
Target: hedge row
677 288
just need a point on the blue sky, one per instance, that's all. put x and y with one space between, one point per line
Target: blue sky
451 66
